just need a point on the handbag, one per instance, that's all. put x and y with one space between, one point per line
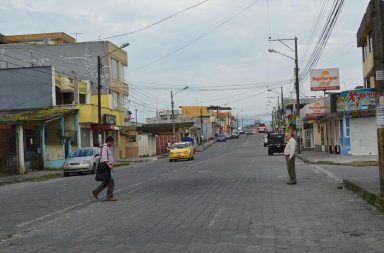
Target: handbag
103 172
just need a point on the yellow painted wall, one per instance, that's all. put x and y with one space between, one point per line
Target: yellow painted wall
89 114
194 111
368 65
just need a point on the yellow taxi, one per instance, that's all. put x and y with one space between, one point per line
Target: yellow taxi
181 150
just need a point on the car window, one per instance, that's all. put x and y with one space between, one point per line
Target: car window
179 146
81 153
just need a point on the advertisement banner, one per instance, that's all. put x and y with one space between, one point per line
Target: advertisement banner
316 110
356 100
325 79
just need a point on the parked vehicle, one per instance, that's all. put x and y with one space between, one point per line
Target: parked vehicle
266 140
276 143
249 133
228 136
261 128
221 138
82 160
235 135
181 150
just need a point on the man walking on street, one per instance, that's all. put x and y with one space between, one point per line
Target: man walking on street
289 153
106 159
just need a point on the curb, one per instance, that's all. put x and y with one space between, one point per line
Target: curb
32 179
205 146
368 196
353 163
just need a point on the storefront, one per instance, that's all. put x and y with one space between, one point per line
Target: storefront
358 124
311 114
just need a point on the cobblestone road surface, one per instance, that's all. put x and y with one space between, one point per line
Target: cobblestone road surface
232 198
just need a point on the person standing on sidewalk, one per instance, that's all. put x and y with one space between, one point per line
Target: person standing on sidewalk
289 153
106 159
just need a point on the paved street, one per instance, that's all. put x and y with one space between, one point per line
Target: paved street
232 198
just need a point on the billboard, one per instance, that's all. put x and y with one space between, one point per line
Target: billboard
315 110
325 79
356 100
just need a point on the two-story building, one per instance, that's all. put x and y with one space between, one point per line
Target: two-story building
56 63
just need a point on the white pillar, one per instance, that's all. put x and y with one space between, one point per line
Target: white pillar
20 151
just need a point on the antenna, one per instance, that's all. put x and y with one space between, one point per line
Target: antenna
76 35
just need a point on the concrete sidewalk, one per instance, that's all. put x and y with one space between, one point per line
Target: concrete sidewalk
360 180
316 157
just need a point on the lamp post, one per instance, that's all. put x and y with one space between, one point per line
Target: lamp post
99 67
173 114
297 86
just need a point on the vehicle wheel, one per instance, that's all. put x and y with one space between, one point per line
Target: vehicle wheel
270 152
66 174
94 168
170 160
192 158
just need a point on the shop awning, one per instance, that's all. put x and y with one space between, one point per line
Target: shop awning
36 116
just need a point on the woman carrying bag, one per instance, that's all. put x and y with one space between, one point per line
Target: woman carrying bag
105 171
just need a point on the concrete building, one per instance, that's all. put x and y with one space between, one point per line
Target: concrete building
365 37
202 117
49 115
38 38
77 61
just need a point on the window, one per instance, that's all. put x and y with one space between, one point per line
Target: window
83 99
367 83
370 41
131 138
124 73
115 70
67 98
115 100
365 52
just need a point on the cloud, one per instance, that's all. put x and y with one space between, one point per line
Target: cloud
235 53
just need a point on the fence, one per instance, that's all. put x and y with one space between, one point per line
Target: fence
8 153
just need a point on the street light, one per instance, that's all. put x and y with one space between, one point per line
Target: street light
99 66
173 114
296 60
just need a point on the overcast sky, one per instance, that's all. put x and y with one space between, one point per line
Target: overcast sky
235 53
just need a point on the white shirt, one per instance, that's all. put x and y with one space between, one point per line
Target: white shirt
106 154
290 148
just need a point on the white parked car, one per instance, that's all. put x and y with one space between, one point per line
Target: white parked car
82 160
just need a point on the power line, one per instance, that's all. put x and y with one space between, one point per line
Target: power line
196 39
155 23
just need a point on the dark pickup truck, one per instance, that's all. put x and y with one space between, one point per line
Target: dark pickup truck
276 143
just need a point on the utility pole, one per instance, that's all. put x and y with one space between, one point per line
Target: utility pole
136 118
282 105
99 98
229 126
173 119
173 113
99 67
75 89
297 86
201 124
237 121
378 52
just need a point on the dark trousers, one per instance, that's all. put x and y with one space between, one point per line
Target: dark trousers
110 184
291 168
